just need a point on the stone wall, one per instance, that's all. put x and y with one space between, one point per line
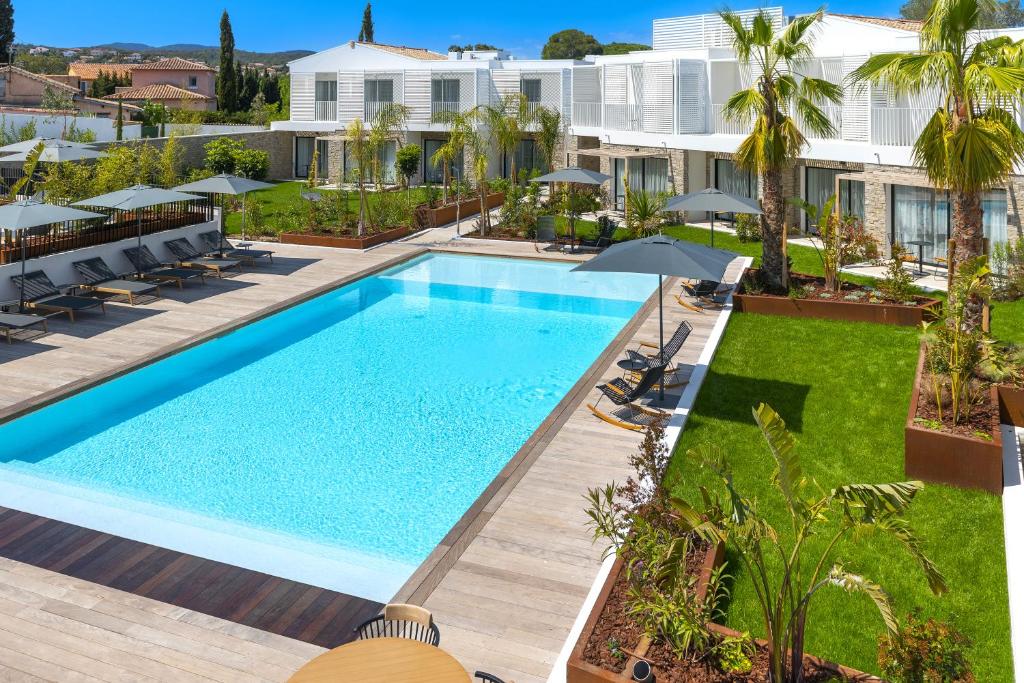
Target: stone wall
677 160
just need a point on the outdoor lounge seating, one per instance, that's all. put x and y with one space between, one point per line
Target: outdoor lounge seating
606 234
401 621
698 296
41 293
153 270
16 322
190 257
628 414
485 677
98 277
213 243
645 359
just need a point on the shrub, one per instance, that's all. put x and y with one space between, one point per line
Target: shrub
407 161
748 227
898 284
220 155
255 220
1008 269
924 652
252 163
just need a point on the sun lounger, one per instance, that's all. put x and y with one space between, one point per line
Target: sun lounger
153 270
648 355
213 244
607 227
189 257
704 294
41 293
15 322
98 277
624 395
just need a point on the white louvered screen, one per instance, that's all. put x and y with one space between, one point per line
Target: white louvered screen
507 82
417 96
303 96
350 96
693 97
703 30
566 96
483 87
657 97
586 84
615 96
856 104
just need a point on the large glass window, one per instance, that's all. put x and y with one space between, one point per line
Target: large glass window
530 87
323 159
303 156
820 185
375 90
730 179
994 205
388 154
326 91
922 214
851 198
528 159
434 173
648 174
445 90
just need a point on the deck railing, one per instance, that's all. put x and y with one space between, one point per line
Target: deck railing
586 114
438 107
898 125
121 225
372 109
326 110
727 126
623 117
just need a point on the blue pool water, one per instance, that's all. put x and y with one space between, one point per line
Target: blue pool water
365 420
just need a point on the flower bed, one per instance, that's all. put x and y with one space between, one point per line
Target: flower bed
344 241
855 303
968 455
428 217
1011 405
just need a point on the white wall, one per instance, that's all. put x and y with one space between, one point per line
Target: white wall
53 126
59 268
210 129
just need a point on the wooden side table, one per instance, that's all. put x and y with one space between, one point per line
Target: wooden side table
383 660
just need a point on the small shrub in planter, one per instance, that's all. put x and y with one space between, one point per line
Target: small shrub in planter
898 283
924 652
748 227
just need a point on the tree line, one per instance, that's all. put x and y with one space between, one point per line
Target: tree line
239 88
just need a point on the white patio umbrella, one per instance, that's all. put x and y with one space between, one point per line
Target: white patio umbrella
135 198
27 214
56 153
29 145
573 176
225 184
712 200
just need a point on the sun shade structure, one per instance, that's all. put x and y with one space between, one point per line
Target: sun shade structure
56 153
135 198
225 184
29 145
713 200
28 214
662 256
573 176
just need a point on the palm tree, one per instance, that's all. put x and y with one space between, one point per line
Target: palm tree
386 127
549 134
361 153
972 141
778 97
508 122
479 142
460 127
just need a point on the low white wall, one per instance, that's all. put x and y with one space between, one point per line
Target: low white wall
59 269
53 126
210 129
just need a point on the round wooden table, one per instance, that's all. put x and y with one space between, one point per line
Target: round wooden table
383 660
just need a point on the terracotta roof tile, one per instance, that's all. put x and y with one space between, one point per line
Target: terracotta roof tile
90 71
39 77
902 24
411 52
158 91
172 64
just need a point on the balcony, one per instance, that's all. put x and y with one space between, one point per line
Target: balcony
623 117
586 114
727 126
834 113
438 107
325 110
898 125
373 109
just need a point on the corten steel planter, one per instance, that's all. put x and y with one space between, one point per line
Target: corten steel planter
1011 405
344 242
580 671
829 309
427 217
940 457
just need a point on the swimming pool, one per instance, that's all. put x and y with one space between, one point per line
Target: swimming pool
335 442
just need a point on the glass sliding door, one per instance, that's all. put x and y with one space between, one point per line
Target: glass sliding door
993 204
919 213
323 159
434 173
528 159
655 176
303 156
620 184
388 155
820 185
851 198
646 174
730 179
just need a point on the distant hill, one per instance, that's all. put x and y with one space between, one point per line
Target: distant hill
208 53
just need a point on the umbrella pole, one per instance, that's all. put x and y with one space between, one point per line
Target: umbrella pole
244 195
21 300
712 229
138 264
220 252
572 223
661 337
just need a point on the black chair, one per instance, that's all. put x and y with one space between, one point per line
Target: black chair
644 360
704 294
624 395
41 293
152 270
606 234
485 677
401 621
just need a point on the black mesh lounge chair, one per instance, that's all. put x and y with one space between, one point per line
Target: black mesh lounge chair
98 277
189 257
648 359
624 395
16 322
401 621
606 233
213 244
698 296
154 271
485 677
41 293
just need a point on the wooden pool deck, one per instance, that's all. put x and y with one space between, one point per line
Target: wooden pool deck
505 586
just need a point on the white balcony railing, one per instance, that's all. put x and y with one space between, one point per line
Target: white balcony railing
898 125
586 114
623 117
534 107
371 110
727 126
834 113
326 110
437 107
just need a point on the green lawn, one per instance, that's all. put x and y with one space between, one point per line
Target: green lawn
1008 321
844 389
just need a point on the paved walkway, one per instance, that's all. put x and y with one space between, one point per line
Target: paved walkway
1013 519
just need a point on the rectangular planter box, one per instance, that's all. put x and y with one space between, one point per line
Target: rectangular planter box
952 459
1011 405
344 242
579 671
432 218
826 309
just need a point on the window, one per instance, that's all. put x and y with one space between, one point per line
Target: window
303 156
647 174
445 90
921 213
323 150
530 87
326 91
193 82
375 90
730 179
434 173
528 158
820 184
3 86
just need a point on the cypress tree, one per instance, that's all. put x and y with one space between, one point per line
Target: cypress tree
227 78
120 120
6 28
366 30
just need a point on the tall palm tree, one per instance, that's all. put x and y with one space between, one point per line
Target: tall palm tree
361 153
972 141
509 122
779 97
386 126
549 134
479 144
460 128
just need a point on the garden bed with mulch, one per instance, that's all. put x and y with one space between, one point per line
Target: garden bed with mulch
342 241
854 302
435 216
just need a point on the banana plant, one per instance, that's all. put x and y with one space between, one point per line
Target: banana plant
30 168
846 512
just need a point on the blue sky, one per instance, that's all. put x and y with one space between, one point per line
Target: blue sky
270 25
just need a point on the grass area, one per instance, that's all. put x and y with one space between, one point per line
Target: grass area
1008 321
805 259
843 389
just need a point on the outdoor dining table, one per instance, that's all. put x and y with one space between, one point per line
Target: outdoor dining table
383 659
920 244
